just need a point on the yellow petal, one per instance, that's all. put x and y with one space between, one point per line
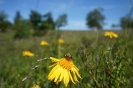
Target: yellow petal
74 76
51 72
54 59
106 34
61 71
115 35
76 68
111 36
78 74
76 71
62 74
53 65
71 77
57 81
57 72
66 77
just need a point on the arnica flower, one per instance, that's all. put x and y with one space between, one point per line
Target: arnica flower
63 69
36 86
60 40
44 43
18 75
27 53
111 34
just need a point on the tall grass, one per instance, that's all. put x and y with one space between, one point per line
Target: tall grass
102 62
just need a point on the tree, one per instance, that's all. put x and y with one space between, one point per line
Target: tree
126 22
3 16
61 21
23 29
95 19
48 20
4 23
115 25
17 17
35 18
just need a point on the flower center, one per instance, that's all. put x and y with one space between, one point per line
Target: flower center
66 63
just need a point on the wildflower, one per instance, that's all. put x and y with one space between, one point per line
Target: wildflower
111 34
62 70
18 75
60 40
44 43
36 86
27 53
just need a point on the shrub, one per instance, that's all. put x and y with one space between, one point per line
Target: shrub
4 26
23 29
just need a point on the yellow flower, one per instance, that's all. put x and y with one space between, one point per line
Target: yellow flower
36 86
63 68
44 43
111 34
18 75
60 40
27 53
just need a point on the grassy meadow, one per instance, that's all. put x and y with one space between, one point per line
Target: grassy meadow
103 62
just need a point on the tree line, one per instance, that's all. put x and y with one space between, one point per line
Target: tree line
38 24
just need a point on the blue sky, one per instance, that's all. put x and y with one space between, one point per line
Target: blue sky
76 10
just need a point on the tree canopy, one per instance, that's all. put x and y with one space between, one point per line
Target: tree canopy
35 18
95 19
126 22
4 23
3 16
17 17
48 19
61 21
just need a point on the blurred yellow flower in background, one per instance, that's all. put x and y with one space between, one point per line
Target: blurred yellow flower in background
111 34
62 70
60 40
27 53
36 86
44 43
18 75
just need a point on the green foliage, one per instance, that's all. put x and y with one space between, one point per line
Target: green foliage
3 16
126 22
107 64
61 21
48 20
41 23
105 69
95 18
40 33
35 18
23 29
17 17
4 24
44 25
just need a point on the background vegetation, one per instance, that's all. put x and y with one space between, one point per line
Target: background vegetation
103 62
38 24
108 61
